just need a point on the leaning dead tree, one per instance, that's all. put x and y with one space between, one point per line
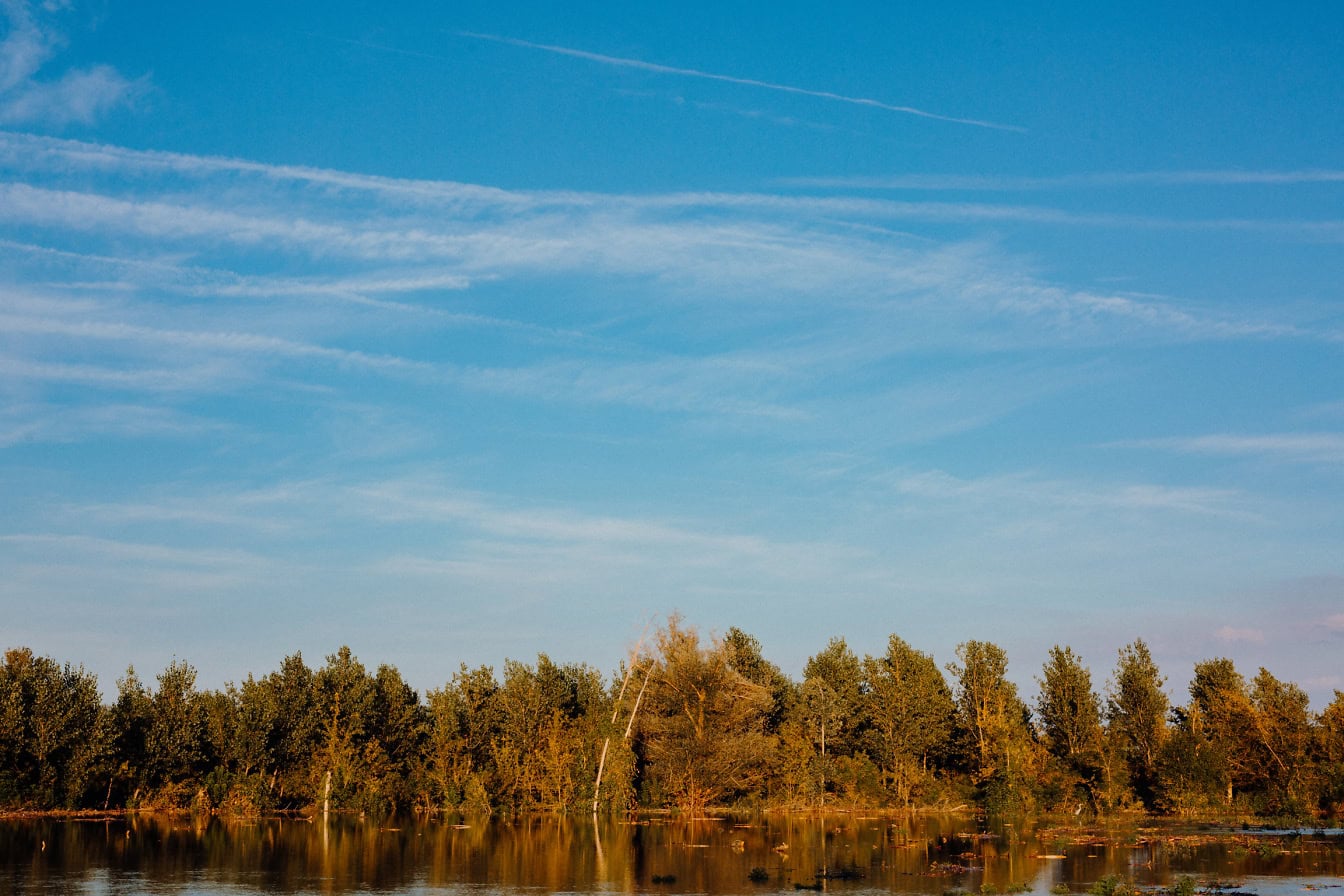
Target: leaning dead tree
630 668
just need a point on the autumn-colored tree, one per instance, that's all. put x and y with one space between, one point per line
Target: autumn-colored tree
543 752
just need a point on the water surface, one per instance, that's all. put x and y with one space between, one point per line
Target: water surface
848 854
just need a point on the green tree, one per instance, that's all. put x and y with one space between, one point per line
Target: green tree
1221 710
746 659
1070 716
993 726
130 728
909 715
1069 710
1136 715
464 723
1328 751
344 695
395 736
836 677
173 739
1190 773
1282 740
284 705
52 732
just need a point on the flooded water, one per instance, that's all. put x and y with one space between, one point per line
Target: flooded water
850 855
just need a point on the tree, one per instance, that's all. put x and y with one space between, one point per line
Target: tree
1136 712
548 725
989 712
464 722
1069 710
993 725
1070 717
909 714
52 731
703 731
285 704
837 682
173 739
130 728
745 658
344 696
1329 755
396 732
1282 738
1221 705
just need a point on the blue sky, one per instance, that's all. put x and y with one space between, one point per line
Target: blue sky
455 333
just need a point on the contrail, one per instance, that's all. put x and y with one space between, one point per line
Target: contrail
730 79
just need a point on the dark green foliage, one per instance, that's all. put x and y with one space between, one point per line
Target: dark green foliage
1136 714
52 732
1113 885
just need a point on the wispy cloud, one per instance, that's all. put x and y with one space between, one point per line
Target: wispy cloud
1024 490
1232 634
191 377
642 65
1315 448
76 96
29 424
241 343
125 261
982 183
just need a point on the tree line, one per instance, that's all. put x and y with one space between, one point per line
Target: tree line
686 722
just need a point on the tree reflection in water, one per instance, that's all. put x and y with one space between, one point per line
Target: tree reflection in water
922 855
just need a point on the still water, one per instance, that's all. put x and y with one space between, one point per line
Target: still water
850 855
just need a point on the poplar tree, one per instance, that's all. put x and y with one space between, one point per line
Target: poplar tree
909 711
1136 715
